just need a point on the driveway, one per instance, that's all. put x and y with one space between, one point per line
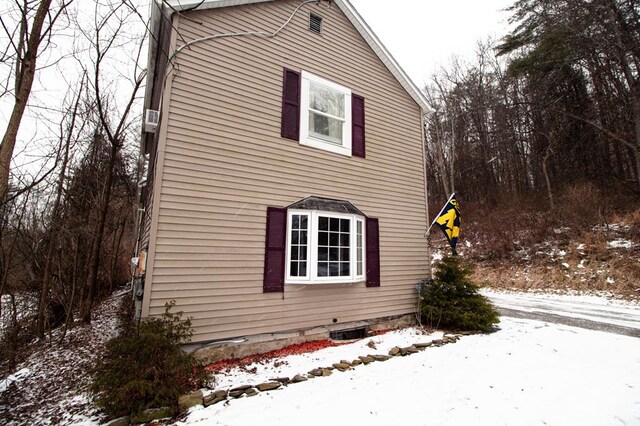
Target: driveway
593 313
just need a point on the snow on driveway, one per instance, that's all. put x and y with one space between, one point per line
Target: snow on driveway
528 373
578 310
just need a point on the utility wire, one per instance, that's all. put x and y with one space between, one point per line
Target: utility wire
249 33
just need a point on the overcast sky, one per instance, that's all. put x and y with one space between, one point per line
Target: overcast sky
422 35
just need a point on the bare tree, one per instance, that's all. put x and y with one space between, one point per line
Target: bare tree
67 136
25 42
110 33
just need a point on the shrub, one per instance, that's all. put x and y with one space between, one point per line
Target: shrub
145 367
451 300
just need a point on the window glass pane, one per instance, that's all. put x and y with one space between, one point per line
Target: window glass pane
323 223
323 238
345 226
334 269
359 249
298 245
334 239
325 128
334 224
326 100
344 254
344 269
344 240
323 254
334 254
323 269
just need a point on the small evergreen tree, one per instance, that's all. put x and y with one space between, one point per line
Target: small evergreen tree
452 301
146 367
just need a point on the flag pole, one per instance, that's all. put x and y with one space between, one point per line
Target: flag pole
438 215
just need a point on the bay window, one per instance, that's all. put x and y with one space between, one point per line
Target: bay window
324 247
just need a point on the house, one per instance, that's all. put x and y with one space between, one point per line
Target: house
285 192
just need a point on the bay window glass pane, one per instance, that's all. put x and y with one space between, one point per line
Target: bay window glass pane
334 247
334 269
323 269
298 246
334 254
323 238
344 269
326 100
359 263
323 254
344 254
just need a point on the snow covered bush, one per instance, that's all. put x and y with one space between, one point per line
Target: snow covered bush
452 301
146 368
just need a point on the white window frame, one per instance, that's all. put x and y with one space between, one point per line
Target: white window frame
309 140
312 248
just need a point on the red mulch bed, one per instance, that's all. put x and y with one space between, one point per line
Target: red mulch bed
297 349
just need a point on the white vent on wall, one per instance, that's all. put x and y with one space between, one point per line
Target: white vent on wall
151 119
315 23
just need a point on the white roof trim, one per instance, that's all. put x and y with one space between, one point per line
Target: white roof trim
210 4
357 21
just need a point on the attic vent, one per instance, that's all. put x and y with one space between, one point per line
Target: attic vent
315 23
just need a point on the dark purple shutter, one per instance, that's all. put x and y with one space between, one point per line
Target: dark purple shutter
357 127
275 250
373 253
290 128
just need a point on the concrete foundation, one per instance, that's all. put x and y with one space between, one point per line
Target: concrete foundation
250 345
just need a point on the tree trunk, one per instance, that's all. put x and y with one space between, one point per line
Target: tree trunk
55 225
24 82
545 172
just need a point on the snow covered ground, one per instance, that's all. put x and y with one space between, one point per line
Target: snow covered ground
528 373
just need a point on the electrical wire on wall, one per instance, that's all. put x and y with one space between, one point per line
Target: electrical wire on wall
244 34
266 34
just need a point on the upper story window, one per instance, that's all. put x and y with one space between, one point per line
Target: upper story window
322 114
325 115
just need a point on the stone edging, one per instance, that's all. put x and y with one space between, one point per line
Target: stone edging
249 390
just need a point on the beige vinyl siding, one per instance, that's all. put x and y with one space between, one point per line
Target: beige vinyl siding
224 163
